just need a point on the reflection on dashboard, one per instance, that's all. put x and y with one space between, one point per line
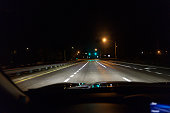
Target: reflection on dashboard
159 108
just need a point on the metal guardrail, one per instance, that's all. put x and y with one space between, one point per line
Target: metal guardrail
27 70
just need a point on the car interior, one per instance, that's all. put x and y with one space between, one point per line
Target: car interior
120 97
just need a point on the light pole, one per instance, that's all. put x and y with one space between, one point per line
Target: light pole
115 45
115 50
72 53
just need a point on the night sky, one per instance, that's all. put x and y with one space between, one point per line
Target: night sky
135 25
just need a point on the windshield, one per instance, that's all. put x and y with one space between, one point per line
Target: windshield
44 43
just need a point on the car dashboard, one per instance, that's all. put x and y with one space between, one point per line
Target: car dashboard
117 99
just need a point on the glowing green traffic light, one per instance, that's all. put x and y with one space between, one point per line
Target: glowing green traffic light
95 53
89 54
98 85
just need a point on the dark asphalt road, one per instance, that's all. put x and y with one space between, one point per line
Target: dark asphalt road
91 71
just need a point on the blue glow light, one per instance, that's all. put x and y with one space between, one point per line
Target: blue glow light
159 108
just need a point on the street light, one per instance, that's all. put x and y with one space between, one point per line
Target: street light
159 52
104 40
95 49
78 52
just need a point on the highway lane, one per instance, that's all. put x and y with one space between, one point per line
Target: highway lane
91 71
156 69
141 74
148 68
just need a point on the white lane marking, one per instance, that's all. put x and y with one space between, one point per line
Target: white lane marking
158 73
119 65
67 80
122 65
146 68
79 69
148 71
126 79
132 67
125 66
101 64
72 76
149 68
